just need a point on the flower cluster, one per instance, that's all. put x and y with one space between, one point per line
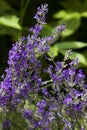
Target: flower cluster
44 98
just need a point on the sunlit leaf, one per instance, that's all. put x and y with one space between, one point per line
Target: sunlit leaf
54 50
66 14
82 59
84 14
71 25
10 21
71 45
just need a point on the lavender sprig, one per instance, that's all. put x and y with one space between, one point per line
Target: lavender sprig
56 102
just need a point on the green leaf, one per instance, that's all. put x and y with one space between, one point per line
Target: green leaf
63 14
10 21
71 45
81 58
54 50
71 25
84 14
66 14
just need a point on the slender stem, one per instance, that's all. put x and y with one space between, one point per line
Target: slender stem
22 3
23 8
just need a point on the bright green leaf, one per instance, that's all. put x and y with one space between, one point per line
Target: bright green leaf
71 45
10 21
53 51
81 58
84 14
71 25
66 14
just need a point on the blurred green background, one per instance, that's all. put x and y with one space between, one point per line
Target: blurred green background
16 16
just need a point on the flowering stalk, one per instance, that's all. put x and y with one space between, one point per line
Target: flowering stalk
56 102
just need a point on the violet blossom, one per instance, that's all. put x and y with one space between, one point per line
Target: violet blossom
57 103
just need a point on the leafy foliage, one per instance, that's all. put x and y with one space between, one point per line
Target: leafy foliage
74 11
10 21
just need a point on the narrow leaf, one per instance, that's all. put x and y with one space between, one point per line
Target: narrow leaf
71 45
66 14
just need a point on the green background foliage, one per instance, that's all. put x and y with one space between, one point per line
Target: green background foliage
17 16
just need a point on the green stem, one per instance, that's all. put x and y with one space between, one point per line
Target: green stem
22 3
23 9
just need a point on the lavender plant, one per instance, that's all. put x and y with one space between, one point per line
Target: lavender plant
34 97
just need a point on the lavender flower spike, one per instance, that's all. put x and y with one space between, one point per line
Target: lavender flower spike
38 97
41 14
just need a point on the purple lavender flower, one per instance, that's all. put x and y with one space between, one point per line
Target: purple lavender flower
6 125
68 100
56 100
41 14
61 28
28 114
